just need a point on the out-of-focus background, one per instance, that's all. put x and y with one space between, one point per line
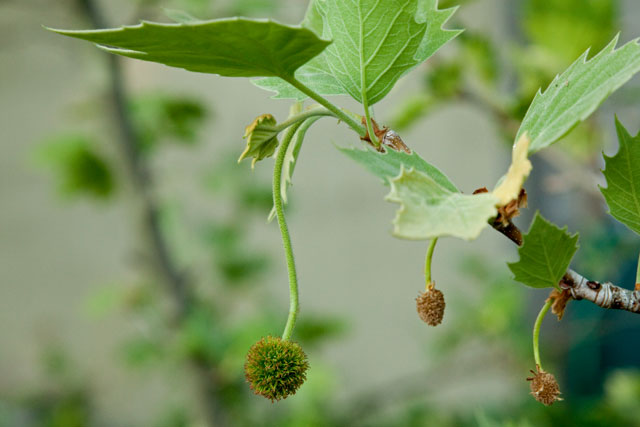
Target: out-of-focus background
137 266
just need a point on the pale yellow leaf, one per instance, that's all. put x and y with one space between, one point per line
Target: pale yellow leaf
509 187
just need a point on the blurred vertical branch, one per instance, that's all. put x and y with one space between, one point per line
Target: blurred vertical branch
158 246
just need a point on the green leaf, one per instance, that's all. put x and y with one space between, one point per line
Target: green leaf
545 255
291 159
623 180
388 165
436 36
233 47
262 139
375 42
431 205
429 210
315 74
576 93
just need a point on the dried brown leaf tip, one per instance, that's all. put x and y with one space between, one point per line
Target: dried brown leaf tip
430 305
544 387
512 209
481 190
560 300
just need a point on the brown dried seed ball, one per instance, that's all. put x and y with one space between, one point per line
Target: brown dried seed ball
430 306
544 387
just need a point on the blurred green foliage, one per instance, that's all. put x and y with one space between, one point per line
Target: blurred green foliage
80 169
205 9
565 28
167 117
64 401
494 314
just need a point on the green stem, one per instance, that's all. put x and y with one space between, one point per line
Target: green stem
318 111
536 332
367 115
638 272
284 231
360 130
427 263
363 92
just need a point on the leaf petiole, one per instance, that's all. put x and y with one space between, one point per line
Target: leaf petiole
337 112
363 92
367 114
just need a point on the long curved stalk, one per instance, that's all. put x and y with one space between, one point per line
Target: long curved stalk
284 231
536 332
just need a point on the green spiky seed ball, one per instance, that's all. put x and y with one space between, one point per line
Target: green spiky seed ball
275 368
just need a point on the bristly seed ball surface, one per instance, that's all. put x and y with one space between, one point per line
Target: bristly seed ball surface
430 305
544 387
275 368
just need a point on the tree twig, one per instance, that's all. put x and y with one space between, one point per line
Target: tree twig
605 295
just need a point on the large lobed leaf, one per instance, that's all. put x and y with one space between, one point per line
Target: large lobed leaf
234 47
623 180
545 254
387 165
315 74
576 93
428 210
430 204
375 42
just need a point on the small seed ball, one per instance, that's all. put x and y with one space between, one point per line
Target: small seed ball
430 305
275 368
544 387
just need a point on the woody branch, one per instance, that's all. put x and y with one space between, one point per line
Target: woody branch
605 295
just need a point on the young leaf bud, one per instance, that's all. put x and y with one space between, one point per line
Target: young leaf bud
430 306
275 368
544 387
